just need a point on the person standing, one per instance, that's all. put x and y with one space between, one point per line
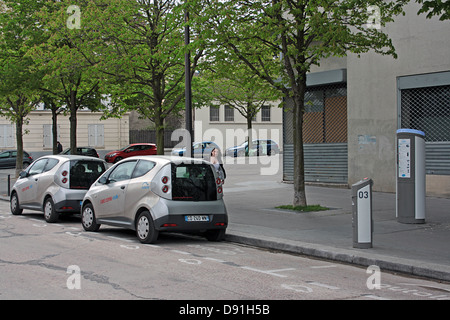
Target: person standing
59 146
216 160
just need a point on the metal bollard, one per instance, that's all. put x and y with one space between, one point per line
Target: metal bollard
362 213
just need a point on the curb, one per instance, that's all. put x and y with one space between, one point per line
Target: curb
353 257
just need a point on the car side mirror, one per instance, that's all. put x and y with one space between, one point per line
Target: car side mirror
103 180
23 174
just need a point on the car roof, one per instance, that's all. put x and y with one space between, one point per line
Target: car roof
170 159
70 157
143 143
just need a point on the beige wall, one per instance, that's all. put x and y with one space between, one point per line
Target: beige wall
116 131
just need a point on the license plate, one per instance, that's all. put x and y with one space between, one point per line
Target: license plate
196 218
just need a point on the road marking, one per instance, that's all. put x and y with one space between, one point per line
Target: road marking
181 252
297 288
371 296
216 260
323 285
323 267
190 261
271 272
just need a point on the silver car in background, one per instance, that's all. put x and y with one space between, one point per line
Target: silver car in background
55 184
153 194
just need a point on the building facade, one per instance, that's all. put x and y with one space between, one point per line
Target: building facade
92 131
380 94
227 127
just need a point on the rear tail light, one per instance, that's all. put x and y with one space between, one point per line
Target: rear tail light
169 225
220 224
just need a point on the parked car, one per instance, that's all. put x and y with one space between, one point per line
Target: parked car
8 159
135 149
153 194
83 151
259 147
55 184
200 149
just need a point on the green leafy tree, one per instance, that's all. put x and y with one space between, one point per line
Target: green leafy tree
298 34
19 85
435 8
68 78
139 46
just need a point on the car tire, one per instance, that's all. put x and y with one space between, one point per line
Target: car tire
117 159
14 205
215 235
88 220
50 214
145 228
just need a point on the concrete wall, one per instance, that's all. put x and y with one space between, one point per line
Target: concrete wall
422 46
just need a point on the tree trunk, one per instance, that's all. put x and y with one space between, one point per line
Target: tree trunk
299 164
73 123
159 127
249 135
19 139
54 130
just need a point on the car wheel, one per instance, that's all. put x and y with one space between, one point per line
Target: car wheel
50 215
145 228
215 235
14 203
117 159
88 218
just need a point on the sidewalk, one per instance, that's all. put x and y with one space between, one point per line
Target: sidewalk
417 249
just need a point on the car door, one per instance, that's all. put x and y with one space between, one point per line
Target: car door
131 151
5 160
138 187
27 184
109 200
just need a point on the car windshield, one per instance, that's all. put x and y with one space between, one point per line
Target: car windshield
193 182
83 173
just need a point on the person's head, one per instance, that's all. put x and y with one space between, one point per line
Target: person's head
214 152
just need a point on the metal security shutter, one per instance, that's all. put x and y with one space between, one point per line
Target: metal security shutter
427 109
324 136
326 163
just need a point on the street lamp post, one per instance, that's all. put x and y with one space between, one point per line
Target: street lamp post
188 90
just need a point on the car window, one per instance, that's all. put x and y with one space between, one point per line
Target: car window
37 167
122 172
84 172
193 182
4 155
142 168
51 163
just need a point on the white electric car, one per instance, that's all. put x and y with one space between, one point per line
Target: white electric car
55 184
153 194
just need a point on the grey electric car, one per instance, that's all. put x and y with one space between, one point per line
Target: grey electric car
153 194
55 184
